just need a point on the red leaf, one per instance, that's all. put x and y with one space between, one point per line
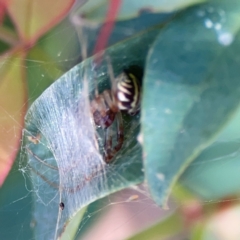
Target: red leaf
2 10
33 18
13 106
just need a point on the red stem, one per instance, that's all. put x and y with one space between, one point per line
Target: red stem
113 8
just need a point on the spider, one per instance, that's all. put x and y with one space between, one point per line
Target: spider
124 95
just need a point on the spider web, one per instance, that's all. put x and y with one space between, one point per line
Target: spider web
60 141
79 175
70 180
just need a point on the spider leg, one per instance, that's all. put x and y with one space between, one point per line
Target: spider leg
110 70
96 93
98 109
109 151
119 132
108 145
110 101
40 160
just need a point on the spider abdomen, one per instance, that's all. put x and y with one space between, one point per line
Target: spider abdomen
103 109
128 92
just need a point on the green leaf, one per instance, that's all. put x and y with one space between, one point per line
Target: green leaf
64 51
15 205
197 231
169 227
33 18
122 29
64 162
214 174
191 90
73 225
42 70
127 28
95 11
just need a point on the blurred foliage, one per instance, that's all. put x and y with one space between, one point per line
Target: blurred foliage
189 117
22 24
